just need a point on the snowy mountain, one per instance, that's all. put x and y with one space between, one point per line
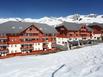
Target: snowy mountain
83 62
76 18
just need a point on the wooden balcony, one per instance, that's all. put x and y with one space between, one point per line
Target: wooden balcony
26 48
45 46
62 36
31 42
3 44
3 50
21 37
3 37
13 42
53 45
26 42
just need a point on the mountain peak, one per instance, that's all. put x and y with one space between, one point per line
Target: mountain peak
76 18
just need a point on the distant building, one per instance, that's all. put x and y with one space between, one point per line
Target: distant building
72 32
97 31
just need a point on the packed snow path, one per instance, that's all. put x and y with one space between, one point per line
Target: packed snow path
83 62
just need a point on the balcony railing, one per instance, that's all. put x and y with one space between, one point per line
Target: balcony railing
30 42
3 50
64 36
3 37
3 42
26 48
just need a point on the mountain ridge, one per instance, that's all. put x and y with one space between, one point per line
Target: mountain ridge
76 18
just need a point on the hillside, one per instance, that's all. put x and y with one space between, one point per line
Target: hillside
83 62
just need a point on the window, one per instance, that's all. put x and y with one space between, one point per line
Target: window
35 34
38 48
11 45
30 29
37 39
11 51
98 38
76 34
35 43
2 40
38 43
84 38
46 38
50 34
61 28
15 45
12 40
2 34
75 38
15 39
15 50
70 34
46 34
63 42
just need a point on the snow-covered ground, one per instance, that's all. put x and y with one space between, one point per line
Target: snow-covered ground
83 62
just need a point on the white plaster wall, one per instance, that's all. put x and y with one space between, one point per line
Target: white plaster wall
49 45
38 46
13 48
95 36
79 38
72 39
61 40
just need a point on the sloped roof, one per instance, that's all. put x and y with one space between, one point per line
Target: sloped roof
99 24
16 27
73 26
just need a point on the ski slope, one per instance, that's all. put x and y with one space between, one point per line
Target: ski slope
83 62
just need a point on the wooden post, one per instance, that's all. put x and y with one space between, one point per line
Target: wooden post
78 43
68 45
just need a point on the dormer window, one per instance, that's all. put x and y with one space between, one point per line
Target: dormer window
46 34
61 28
30 29
13 27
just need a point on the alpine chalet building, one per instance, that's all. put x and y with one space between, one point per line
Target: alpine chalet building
24 37
72 32
97 31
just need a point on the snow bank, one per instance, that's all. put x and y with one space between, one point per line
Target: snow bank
83 62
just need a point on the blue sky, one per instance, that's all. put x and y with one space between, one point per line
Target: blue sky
41 8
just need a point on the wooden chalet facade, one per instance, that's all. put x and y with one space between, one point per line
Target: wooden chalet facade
71 32
23 37
97 31
20 38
